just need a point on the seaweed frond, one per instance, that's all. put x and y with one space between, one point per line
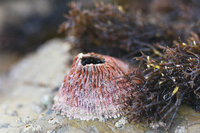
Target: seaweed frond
167 82
108 29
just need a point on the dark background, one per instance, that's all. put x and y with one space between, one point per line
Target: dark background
26 24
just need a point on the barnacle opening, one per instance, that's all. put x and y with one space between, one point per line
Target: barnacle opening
91 60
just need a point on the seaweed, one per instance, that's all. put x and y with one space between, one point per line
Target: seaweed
180 16
109 29
165 83
124 30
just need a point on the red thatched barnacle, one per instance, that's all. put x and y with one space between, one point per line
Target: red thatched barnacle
90 89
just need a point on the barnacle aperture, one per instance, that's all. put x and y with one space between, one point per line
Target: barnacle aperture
91 60
90 89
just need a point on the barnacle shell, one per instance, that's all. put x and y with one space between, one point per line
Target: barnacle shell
90 89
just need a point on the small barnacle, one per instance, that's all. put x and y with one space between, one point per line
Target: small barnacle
32 128
28 128
53 121
90 89
27 120
37 129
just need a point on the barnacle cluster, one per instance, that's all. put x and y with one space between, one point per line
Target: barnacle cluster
166 83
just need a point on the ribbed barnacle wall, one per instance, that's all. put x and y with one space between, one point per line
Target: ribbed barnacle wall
90 89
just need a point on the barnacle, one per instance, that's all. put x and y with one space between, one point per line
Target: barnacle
90 89
165 83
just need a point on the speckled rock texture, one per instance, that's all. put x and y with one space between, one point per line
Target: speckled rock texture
27 97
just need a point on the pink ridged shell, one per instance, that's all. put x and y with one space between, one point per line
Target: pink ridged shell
90 91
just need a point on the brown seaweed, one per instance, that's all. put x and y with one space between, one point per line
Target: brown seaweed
166 83
110 30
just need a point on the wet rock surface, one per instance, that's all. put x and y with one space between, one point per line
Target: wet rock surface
31 84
